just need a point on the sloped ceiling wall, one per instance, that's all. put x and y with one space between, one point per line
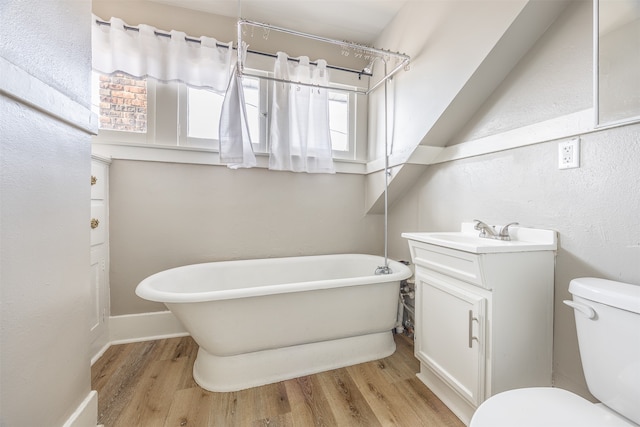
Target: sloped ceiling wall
460 52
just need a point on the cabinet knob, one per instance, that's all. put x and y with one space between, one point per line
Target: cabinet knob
94 180
94 223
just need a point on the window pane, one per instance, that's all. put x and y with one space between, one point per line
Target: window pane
252 103
204 108
339 120
122 102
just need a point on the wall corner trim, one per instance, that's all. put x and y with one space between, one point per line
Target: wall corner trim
566 126
119 150
18 84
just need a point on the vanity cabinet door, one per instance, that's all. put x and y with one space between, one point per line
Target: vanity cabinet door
450 334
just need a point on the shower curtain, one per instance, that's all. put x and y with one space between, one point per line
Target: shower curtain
236 149
299 134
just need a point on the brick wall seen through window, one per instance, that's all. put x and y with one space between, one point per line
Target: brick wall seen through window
123 103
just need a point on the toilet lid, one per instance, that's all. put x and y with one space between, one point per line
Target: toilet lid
543 407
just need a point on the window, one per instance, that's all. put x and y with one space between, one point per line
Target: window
253 101
203 109
339 120
144 111
122 102
203 113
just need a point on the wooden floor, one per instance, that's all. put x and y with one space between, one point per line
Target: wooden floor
150 384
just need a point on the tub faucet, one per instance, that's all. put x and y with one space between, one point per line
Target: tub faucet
486 230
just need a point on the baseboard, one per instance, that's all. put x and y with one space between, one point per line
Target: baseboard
86 415
144 327
141 327
100 352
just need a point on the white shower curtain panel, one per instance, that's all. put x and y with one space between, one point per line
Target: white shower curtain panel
235 141
143 53
300 137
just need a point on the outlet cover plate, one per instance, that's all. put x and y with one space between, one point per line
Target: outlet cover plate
569 154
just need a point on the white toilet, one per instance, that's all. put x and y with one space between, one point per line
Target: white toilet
608 324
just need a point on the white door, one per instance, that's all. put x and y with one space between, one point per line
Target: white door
450 338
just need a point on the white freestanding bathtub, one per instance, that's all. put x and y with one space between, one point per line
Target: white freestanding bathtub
267 320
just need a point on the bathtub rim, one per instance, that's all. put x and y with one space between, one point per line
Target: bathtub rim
146 290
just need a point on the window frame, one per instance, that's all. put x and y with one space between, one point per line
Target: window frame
108 135
350 153
264 109
168 126
184 140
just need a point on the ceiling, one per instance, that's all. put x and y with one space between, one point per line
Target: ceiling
359 21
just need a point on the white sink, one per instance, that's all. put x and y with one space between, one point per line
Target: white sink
522 239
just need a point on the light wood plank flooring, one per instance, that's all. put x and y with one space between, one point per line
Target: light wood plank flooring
150 384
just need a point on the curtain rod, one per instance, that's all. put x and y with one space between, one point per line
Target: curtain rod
401 58
360 73
381 52
311 85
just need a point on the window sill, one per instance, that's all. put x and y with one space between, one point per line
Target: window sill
191 155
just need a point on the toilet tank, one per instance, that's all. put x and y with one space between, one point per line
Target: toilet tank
608 323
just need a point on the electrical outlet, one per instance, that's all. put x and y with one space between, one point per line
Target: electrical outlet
569 154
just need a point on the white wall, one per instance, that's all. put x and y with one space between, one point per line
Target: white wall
554 79
164 215
595 208
44 211
460 53
619 83
447 43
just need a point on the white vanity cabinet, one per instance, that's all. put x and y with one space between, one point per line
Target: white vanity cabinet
450 323
484 315
99 283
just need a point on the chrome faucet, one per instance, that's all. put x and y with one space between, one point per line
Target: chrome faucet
486 230
490 232
504 231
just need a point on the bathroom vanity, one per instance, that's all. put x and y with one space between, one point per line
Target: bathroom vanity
484 313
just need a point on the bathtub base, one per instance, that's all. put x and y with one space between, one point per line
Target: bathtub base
239 372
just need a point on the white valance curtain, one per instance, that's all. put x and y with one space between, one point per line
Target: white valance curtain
300 137
143 53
